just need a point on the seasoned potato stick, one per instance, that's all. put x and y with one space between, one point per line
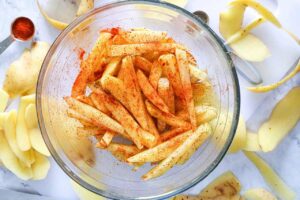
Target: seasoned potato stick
143 36
122 151
139 49
199 134
160 151
134 95
22 135
85 99
205 113
167 117
3 100
121 73
89 66
107 138
9 128
11 162
98 118
150 93
118 39
172 133
143 64
182 63
137 135
155 74
168 63
81 118
272 179
111 68
86 132
98 104
197 75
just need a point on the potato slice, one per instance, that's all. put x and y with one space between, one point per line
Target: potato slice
37 141
22 134
252 143
201 133
182 63
272 179
31 116
284 117
40 167
160 151
85 6
3 100
155 74
251 48
258 194
11 162
226 186
273 86
9 128
240 137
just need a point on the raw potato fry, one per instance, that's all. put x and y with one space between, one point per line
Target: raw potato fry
111 68
258 194
284 117
138 136
3 100
201 91
121 151
270 87
144 36
11 162
252 143
9 129
160 151
197 75
98 118
139 49
172 133
37 141
203 114
40 167
22 134
272 179
143 64
182 63
155 74
150 92
168 63
226 185
85 6
199 134
167 117
89 66
240 137
31 116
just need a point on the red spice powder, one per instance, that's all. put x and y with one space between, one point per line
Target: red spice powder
22 28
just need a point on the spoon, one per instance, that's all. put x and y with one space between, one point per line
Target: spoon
22 29
244 68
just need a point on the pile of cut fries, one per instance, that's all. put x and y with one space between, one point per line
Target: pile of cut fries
141 85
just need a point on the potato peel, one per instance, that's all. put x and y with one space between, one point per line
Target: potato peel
258 194
252 143
239 140
271 178
267 88
284 117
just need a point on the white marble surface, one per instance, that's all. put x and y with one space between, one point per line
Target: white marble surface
285 159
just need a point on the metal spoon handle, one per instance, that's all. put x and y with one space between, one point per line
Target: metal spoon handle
5 43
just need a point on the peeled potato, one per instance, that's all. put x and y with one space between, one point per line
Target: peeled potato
11 162
271 178
37 141
284 117
22 134
239 139
22 74
226 185
40 167
259 194
251 48
252 143
3 100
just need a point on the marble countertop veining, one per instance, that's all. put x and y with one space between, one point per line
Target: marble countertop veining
284 159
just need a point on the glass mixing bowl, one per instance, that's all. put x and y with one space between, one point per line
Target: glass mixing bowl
97 170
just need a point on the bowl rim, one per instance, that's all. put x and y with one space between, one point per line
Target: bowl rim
181 11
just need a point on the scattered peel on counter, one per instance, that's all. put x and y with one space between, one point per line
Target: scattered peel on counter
22 74
283 118
239 140
252 143
258 194
84 6
272 179
3 100
267 88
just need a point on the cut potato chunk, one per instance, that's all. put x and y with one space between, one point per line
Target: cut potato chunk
3 100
